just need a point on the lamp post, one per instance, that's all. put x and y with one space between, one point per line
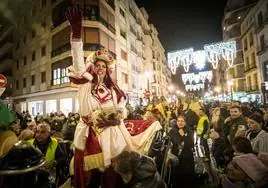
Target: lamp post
230 85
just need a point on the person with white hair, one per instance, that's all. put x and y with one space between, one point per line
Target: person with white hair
48 145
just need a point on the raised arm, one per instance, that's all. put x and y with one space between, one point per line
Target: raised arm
74 16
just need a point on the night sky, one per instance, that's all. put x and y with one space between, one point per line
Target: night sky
185 23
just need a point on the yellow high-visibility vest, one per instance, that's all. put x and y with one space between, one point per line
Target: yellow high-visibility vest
200 126
51 150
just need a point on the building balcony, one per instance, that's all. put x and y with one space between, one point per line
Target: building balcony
5 62
252 88
111 3
132 30
262 49
250 68
132 12
107 25
60 50
133 49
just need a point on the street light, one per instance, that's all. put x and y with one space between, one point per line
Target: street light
230 85
217 89
171 88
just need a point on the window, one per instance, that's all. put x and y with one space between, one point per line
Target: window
245 43
262 42
44 25
44 2
122 33
33 33
33 56
251 39
123 55
43 77
60 70
43 51
260 19
253 59
125 78
33 79
18 64
122 12
24 40
24 61
24 83
17 84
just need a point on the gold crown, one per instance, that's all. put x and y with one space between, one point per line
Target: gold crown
103 54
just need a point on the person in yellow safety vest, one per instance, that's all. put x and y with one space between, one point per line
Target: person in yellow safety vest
47 145
203 131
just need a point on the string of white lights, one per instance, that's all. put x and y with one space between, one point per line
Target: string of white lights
212 53
196 77
194 87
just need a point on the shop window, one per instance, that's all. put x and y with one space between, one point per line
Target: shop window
66 105
51 106
36 107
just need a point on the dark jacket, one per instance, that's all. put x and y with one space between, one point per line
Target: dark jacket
183 149
218 148
230 128
145 175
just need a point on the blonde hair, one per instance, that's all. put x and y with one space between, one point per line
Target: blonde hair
26 134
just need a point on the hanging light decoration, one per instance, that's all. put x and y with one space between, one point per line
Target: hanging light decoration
180 58
194 87
221 50
196 78
199 59
212 53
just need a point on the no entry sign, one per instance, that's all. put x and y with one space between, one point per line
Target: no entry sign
3 81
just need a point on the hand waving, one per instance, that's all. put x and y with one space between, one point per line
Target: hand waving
74 16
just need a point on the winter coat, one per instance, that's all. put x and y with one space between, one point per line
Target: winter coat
260 142
145 175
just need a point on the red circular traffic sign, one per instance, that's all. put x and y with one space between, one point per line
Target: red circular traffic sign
3 81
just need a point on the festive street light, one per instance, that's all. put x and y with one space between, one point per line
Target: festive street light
212 53
217 89
171 88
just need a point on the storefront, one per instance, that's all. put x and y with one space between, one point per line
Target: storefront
59 100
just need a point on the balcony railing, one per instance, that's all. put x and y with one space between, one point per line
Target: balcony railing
60 50
107 25
252 88
250 67
133 49
6 56
132 12
111 3
132 30
262 49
